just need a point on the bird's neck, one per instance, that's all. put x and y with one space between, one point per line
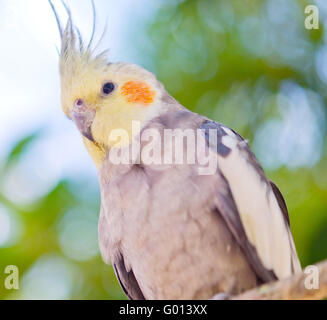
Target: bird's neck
99 151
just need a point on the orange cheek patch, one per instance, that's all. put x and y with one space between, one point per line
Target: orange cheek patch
137 91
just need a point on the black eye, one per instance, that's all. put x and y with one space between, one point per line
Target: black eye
108 87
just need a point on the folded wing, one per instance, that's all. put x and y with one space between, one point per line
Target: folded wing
253 207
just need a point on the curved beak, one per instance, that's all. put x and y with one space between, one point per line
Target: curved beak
83 117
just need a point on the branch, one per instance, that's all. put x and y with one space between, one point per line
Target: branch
292 288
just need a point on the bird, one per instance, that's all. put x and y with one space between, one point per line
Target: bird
168 231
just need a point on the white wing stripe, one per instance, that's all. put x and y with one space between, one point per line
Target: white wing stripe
260 213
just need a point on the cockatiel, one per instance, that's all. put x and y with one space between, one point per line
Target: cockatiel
168 231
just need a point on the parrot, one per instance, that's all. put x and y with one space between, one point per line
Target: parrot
169 232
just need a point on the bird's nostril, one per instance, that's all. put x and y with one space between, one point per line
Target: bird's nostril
79 102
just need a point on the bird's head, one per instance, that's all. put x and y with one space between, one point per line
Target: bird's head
100 96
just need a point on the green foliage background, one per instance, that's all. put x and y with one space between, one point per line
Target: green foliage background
245 63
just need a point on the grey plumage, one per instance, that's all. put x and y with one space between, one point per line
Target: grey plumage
173 234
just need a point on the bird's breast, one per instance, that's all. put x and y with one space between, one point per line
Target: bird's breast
176 245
